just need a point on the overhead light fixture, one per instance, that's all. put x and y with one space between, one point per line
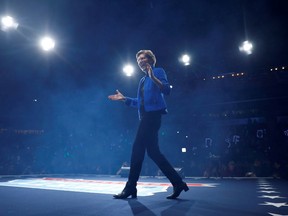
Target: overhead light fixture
246 47
8 22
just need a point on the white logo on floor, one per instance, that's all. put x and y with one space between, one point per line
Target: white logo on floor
86 186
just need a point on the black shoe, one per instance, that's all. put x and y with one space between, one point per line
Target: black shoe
177 189
126 193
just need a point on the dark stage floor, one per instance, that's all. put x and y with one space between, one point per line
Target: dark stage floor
87 195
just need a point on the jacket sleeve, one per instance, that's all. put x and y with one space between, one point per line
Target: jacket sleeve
132 102
161 75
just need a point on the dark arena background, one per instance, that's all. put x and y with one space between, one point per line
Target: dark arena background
226 131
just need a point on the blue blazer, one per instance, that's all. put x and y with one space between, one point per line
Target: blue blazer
153 95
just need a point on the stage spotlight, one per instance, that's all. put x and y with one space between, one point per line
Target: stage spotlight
185 59
8 22
246 47
128 70
47 43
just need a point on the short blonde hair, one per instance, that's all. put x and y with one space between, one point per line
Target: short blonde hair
149 54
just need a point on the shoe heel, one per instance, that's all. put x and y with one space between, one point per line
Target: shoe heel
134 194
186 188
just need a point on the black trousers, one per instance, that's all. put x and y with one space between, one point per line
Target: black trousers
147 140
